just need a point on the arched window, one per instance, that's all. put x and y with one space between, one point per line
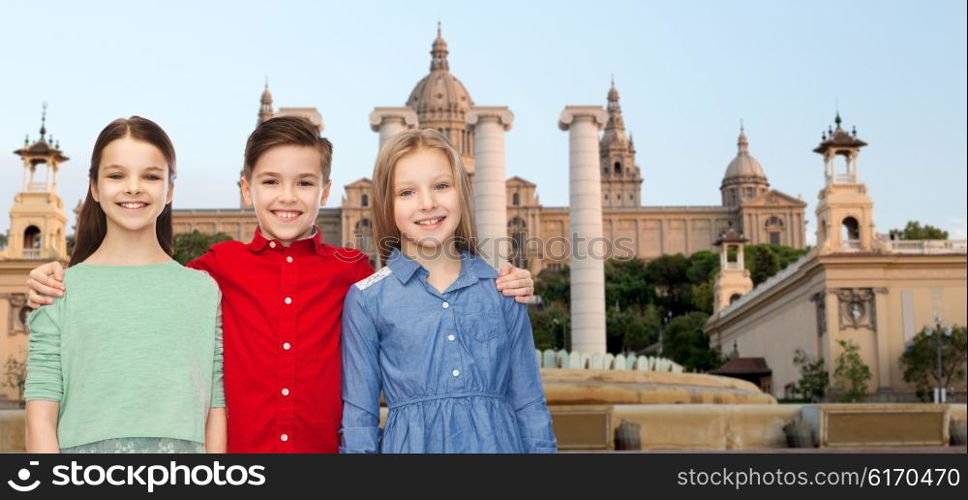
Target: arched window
618 167
515 199
31 237
734 297
850 233
774 228
365 200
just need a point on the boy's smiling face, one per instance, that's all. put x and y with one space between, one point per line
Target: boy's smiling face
286 189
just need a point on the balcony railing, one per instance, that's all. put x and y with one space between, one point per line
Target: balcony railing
851 245
927 246
31 253
845 178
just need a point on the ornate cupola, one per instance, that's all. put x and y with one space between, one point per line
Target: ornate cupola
441 102
744 179
621 177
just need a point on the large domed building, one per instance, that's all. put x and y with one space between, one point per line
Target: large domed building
441 101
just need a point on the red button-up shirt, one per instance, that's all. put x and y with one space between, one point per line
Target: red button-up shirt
281 311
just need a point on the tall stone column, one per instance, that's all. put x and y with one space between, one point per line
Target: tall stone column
391 121
585 212
490 194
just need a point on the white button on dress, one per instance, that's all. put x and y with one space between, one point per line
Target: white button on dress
445 305
285 391
284 437
456 373
451 337
288 300
289 259
286 345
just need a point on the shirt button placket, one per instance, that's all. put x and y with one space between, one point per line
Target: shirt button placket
288 331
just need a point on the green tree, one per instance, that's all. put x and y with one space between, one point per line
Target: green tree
703 266
686 343
919 360
554 286
764 263
626 284
672 288
915 231
190 246
549 334
3 240
851 374
632 329
636 340
702 296
814 378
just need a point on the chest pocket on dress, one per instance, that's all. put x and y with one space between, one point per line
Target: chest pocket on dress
481 326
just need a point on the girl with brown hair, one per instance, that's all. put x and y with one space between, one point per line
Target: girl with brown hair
131 359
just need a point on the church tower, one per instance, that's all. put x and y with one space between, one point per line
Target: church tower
442 102
265 105
844 210
621 177
733 280
37 219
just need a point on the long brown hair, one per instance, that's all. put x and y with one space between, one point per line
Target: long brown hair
385 232
92 223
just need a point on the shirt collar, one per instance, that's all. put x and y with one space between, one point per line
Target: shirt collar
472 268
259 242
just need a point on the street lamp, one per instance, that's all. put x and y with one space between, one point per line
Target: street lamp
939 395
665 324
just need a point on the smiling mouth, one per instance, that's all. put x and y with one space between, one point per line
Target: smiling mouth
286 215
133 205
430 222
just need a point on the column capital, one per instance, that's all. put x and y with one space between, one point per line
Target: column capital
503 115
380 114
572 113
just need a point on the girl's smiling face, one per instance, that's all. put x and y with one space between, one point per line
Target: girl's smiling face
133 184
426 203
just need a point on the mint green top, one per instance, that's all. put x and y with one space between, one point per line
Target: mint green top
129 351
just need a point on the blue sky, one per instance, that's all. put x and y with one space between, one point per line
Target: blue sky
688 72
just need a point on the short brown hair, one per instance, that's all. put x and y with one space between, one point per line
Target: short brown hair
286 131
386 234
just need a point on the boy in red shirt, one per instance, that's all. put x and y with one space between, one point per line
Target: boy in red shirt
282 298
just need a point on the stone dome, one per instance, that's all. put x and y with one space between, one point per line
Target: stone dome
743 166
440 91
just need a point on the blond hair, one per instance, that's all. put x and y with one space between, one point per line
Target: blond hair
386 235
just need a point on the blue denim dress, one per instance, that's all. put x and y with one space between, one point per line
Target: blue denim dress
457 369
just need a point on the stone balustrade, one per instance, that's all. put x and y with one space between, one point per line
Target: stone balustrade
578 360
